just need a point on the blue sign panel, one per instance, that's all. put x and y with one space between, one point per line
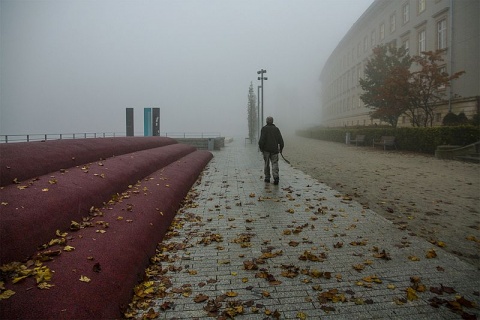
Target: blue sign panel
147 122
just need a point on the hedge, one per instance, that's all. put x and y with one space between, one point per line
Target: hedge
423 140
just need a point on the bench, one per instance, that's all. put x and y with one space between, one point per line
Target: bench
385 141
359 138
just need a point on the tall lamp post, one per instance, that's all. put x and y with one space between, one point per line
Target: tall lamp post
259 124
261 72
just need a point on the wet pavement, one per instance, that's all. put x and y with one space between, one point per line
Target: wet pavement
242 248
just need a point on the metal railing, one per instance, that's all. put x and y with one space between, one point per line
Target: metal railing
10 138
191 134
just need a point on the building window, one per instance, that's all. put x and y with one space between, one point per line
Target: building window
406 44
353 84
393 44
422 41
438 117
442 34
382 31
442 70
372 39
422 4
365 44
393 23
406 12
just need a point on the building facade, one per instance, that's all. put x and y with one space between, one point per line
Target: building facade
417 25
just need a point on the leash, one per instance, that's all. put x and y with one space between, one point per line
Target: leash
284 158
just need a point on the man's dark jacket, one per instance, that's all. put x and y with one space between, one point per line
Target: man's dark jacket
270 139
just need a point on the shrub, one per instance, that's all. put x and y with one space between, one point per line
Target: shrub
462 118
475 121
450 119
414 139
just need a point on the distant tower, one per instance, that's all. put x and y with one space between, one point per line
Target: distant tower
151 122
156 121
147 122
129 122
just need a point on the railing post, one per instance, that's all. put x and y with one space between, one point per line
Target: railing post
28 138
6 139
45 137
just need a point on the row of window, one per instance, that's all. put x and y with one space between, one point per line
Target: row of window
345 105
348 79
370 41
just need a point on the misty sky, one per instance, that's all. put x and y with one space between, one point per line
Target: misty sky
75 65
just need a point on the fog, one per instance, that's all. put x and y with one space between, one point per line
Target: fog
75 65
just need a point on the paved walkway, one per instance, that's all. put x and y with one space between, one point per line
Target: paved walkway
300 250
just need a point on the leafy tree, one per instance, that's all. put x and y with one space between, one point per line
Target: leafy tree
397 84
428 85
386 83
252 114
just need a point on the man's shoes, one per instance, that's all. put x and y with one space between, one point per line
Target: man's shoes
267 180
275 181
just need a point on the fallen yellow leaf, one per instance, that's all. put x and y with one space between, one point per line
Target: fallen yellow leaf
85 279
6 294
43 274
44 285
441 244
18 279
431 254
60 234
411 294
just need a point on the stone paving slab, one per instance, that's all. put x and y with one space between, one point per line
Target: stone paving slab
299 250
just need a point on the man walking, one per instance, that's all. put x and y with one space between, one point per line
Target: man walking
270 144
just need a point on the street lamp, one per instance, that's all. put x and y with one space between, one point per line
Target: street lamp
259 124
261 72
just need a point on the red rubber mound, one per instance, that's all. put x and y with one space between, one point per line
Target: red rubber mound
113 258
30 216
26 160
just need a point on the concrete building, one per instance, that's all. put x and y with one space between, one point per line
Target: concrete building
418 25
